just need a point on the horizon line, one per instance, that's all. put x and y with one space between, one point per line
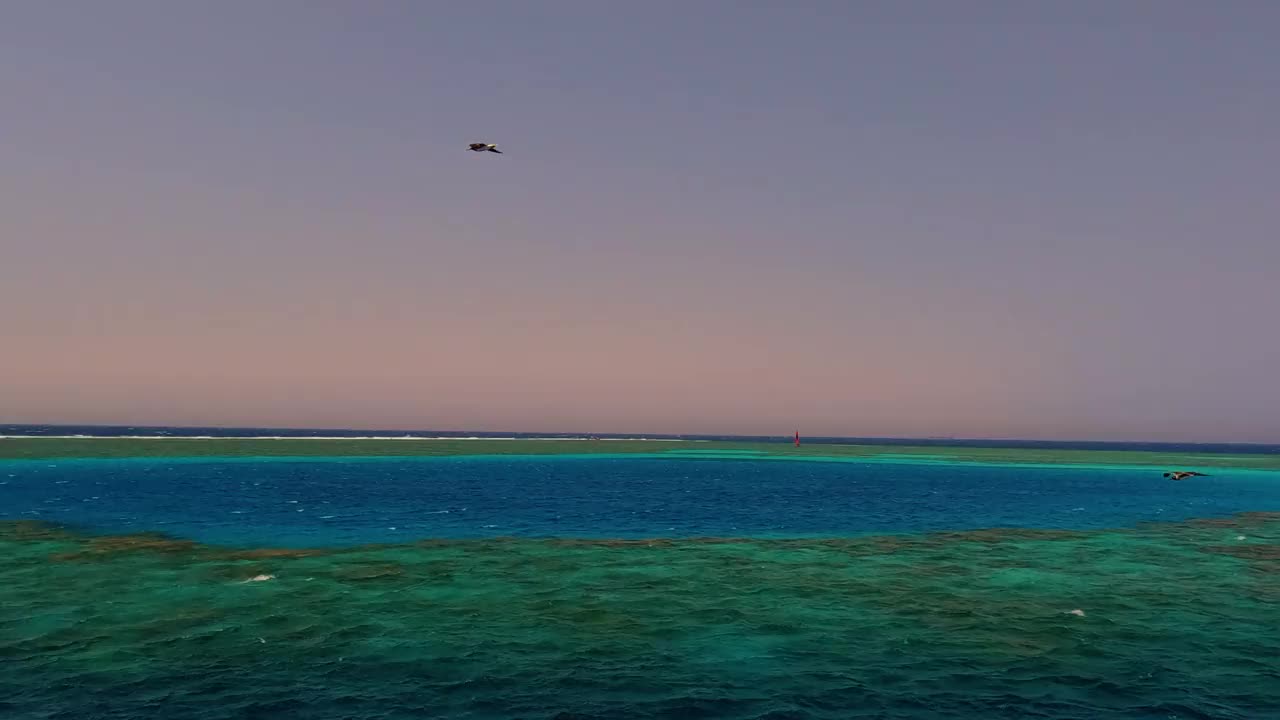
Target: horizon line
788 437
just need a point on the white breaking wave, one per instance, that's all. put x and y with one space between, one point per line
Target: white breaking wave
317 437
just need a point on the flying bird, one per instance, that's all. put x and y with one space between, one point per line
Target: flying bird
485 147
1183 475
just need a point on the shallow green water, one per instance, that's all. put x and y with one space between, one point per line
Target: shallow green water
38 448
1179 621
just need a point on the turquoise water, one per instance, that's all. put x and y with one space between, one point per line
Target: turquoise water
638 588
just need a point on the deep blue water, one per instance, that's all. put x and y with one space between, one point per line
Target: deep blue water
166 431
333 502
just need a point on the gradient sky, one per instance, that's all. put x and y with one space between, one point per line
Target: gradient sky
980 218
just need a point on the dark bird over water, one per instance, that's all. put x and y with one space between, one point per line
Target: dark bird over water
485 147
1183 475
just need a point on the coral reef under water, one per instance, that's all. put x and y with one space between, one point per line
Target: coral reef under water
1165 620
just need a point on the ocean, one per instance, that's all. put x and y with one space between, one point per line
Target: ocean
663 585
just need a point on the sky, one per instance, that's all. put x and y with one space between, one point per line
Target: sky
896 218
